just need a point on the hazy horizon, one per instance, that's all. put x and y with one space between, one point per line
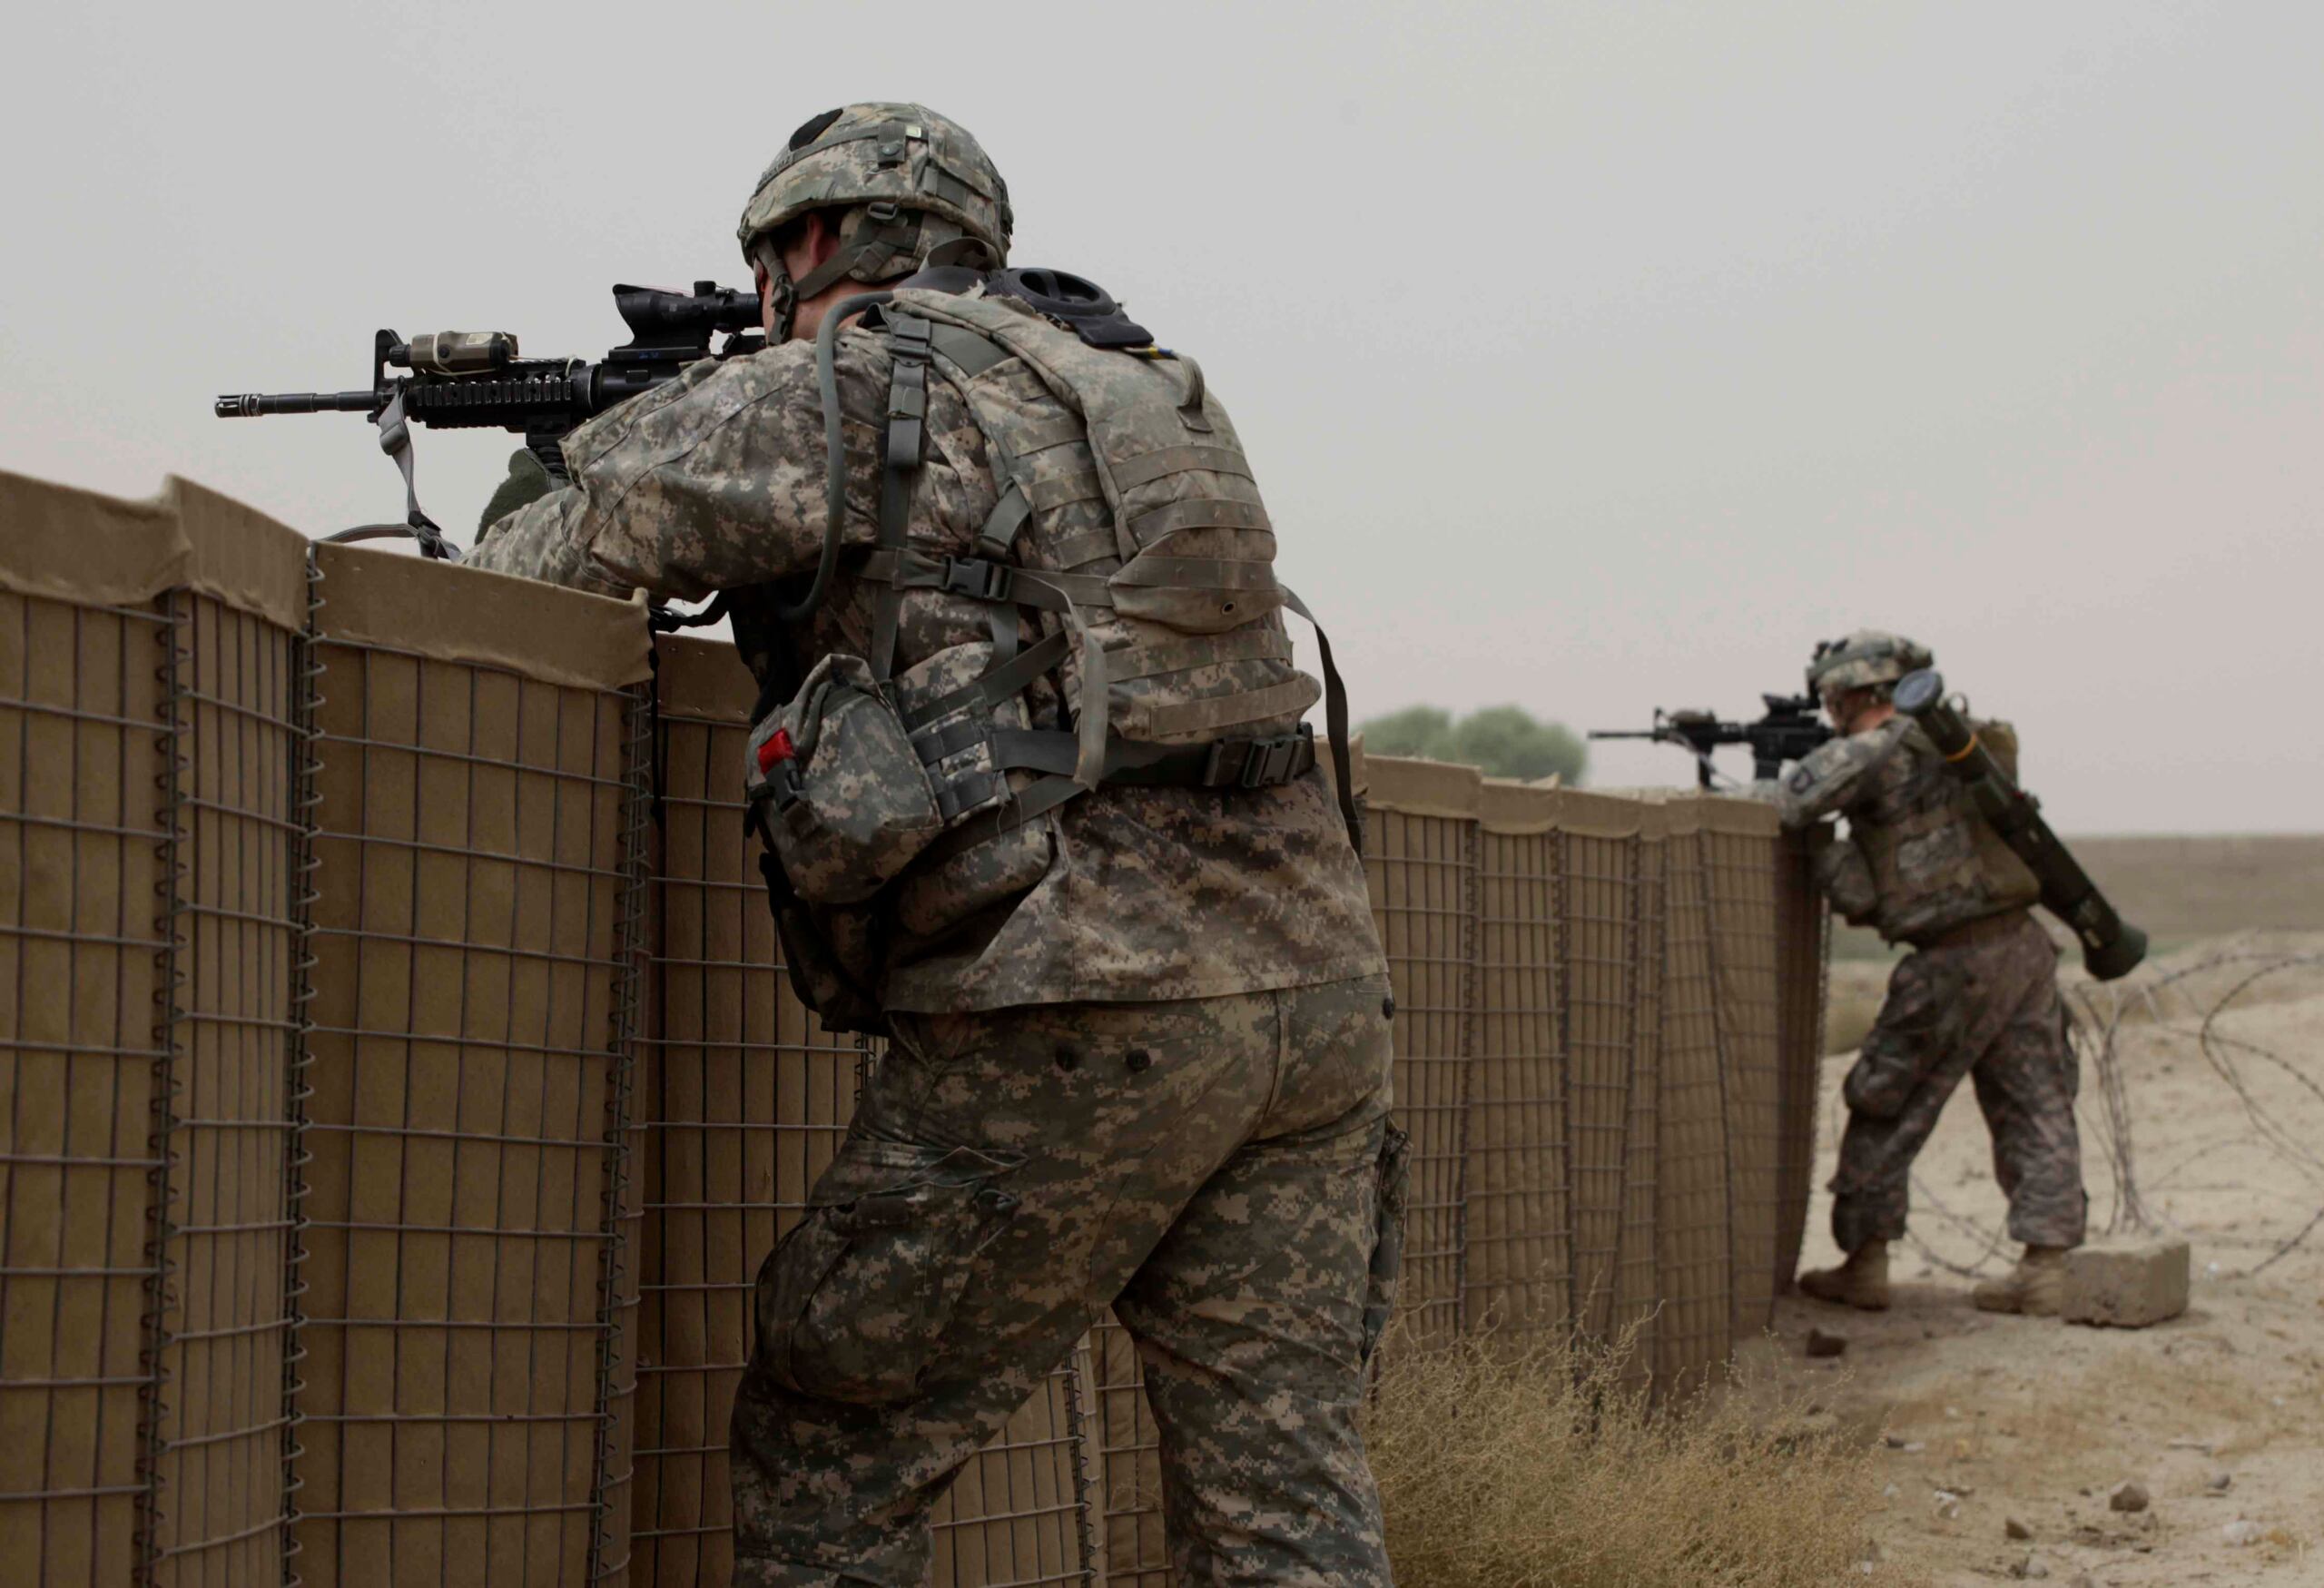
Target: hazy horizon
1592 358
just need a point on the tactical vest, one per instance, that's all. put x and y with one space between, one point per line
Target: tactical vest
1936 863
1128 525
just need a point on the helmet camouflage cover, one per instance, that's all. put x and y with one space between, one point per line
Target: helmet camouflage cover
911 182
1866 657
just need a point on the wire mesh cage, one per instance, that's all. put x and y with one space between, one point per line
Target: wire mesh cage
1420 861
747 1099
402 1086
1740 848
475 794
150 900
1692 1241
1519 1233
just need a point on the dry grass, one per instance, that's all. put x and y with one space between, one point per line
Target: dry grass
1541 1467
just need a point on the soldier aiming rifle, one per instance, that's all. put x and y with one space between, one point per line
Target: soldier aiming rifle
474 380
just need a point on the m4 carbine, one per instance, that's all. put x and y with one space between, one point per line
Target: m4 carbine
474 380
1788 731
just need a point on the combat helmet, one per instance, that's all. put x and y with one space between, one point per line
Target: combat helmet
916 190
1868 658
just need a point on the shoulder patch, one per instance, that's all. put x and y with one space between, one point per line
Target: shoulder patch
1803 778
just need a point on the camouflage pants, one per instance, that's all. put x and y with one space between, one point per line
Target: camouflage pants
1988 1010
1221 1172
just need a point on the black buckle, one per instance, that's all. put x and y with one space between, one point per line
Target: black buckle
978 579
1270 761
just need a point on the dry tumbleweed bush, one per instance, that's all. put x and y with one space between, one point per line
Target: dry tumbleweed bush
1540 1467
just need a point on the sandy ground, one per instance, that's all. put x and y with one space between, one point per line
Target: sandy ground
2219 1415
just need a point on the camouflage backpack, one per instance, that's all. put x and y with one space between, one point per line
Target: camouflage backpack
1127 522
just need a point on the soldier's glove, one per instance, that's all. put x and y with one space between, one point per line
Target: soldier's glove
529 481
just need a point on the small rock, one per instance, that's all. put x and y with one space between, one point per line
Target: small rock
2014 1528
1893 1441
1820 1344
2219 1483
1952 1412
2032 1567
1947 1505
2127 1495
1912 1447
1893 1493
2240 1533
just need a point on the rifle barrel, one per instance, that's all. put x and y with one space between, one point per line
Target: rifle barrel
258 404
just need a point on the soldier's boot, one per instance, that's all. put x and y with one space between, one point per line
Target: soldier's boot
1861 1282
2035 1287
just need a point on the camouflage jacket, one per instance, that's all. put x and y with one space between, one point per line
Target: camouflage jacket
715 481
1935 863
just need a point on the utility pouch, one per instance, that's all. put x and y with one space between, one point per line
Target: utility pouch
836 786
829 954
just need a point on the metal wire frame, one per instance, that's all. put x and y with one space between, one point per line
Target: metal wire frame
1518 1230
525 774
1018 1514
168 1014
1423 870
1738 870
1637 1297
1803 960
1597 910
723 1181
610 1549
1693 1239
1128 1457
225 1347
85 689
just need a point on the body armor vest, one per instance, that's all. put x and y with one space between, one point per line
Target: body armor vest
1936 863
1128 530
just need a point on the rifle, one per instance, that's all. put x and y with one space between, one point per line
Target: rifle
474 380
1788 731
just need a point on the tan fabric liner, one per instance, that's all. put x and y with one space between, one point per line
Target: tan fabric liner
82 547
494 620
241 556
1424 788
706 678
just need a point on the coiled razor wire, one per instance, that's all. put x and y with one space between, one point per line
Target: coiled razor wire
2099 1013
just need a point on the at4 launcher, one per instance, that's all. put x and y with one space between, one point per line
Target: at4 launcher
470 380
1790 731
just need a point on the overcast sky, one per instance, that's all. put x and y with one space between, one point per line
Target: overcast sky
1591 357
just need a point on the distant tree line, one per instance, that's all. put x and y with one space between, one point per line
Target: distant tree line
1503 741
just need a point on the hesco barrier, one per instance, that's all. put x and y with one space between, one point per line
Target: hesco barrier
402 1087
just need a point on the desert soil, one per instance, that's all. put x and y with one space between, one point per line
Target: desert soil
2219 1415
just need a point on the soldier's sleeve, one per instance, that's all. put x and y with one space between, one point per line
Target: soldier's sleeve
1832 776
710 481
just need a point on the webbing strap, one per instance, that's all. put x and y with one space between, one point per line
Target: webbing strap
395 440
979 580
1334 723
1198 573
1150 467
995 685
908 339
973 352
998 532
1198 513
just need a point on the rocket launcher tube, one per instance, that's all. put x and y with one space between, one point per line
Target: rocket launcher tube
2111 946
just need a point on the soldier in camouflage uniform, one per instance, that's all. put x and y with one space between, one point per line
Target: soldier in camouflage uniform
1139 1051
1977 997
